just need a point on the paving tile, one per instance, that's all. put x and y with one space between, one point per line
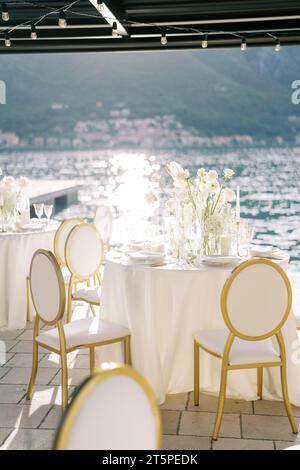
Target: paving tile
267 427
21 375
4 358
186 443
283 445
27 335
29 439
10 334
209 403
177 401
202 424
25 347
22 416
52 419
4 433
80 361
53 360
9 345
4 371
272 407
21 360
47 394
12 393
75 377
242 444
170 421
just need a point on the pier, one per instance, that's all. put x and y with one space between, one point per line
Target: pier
60 193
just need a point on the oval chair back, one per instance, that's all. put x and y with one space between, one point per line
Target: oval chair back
256 299
104 221
84 251
47 287
100 417
61 236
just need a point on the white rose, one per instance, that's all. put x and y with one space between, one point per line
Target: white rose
228 173
176 171
212 175
171 204
151 197
8 181
213 186
155 178
228 195
23 182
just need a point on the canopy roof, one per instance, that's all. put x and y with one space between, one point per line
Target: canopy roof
140 24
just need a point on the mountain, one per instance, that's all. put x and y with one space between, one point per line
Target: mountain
216 92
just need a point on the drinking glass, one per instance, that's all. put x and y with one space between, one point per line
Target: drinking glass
39 209
48 208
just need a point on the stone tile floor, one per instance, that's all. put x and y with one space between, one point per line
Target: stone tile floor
31 425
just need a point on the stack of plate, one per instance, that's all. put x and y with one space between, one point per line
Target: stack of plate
219 260
149 259
269 252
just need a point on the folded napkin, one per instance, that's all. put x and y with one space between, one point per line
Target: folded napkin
268 252
147 247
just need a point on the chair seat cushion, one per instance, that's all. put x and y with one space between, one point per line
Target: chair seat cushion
89 294
242 352
84 332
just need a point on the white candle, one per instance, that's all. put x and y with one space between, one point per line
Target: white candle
238 207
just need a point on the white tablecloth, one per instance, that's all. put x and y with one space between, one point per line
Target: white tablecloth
164 307
16 250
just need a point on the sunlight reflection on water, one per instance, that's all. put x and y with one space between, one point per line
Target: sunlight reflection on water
268 178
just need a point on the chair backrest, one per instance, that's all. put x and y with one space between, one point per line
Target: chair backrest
61 236
84 250
256 299
103 221
47 287
113 409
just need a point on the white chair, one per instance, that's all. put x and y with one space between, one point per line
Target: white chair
103 221
256 301
84 254
48 295
60 239
113 410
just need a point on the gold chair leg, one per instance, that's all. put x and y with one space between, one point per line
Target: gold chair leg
69 303
222 396
27 300
260 382
64 380
196 373
127 352
286 398
34 370
92 360
93 310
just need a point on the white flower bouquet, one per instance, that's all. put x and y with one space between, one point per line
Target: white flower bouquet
12 193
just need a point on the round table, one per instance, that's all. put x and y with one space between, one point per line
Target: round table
16 250
163 307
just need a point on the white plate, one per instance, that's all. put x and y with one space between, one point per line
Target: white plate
219 260
146 258
32 227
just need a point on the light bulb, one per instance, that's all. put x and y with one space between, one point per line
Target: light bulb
114 30
204 43
62 22
100 6
33 33
243 45
277 47
5 14
7 41
163 39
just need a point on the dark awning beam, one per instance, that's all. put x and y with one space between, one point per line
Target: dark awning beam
109 16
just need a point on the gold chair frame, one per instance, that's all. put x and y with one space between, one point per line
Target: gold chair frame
75 279
233 333
62 435
63 350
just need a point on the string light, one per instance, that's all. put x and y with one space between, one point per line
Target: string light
243 45
5 14
7 41
114 32
277 46
62 22
33 33
100 6
204 42
163 39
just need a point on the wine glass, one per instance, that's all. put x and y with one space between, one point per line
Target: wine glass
48 208
39 209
